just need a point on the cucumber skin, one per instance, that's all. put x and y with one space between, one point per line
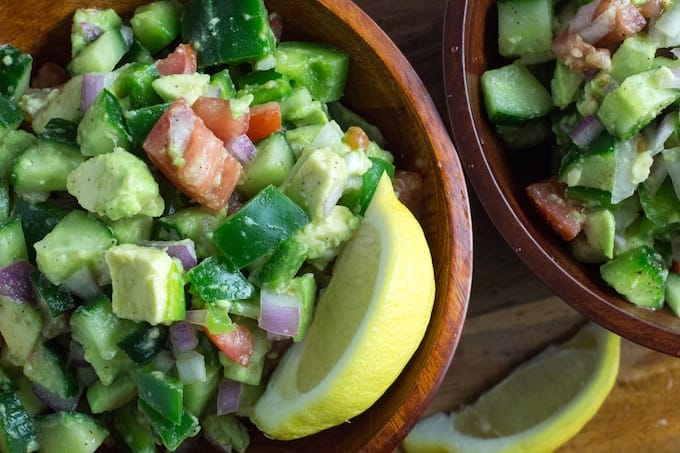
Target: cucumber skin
512 95
639 275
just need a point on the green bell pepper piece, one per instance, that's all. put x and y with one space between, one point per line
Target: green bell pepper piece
172 435
358 200
259 226
216 278
17 431
162 393
227 31
133 429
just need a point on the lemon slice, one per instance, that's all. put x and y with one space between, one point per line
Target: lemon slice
536 408
368 323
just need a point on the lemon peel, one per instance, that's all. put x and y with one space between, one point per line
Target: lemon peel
368 323
536 408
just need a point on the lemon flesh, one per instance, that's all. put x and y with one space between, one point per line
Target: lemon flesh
368 323
537 408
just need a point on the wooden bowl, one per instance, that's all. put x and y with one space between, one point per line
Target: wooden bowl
500 176
384 88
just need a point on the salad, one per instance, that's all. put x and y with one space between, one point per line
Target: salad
171 204
596 84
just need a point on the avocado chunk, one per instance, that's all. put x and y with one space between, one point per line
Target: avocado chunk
324 238
317 181
77 242
600 230
175 86
116 185
148 284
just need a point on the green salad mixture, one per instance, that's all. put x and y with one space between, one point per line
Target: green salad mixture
171 203
597 84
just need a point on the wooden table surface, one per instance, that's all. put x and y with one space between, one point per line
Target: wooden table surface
511 314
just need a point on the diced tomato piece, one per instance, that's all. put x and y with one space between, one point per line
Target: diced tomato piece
563 215
237 344
192 157
356 138
627 20
276 24
50 75
573 51
216 114
675 267
408 185
181 61
265 119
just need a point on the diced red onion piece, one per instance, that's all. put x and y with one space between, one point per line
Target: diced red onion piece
276 24
15 281
228 396
191 367
586 131
276 337
279 313
671 158
583 17
657 136
197 317
83 284
242 148
163 361
76 356
626 154
86 375
225 447
93 84
54 401
671 79
600 27
90 31
329 135
657 175
213 91
184 250
180 130
183 337
128 35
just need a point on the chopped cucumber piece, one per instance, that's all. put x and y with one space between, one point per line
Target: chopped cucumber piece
156 24
103 128
230 39
101 55
513 95
639 275
21 327
77 241
321 68
524 27
74 432
637 101
15 71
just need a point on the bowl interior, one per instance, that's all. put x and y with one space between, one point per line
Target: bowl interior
499 177
383 88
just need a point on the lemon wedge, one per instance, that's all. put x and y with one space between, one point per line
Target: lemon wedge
368 323
536 408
